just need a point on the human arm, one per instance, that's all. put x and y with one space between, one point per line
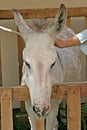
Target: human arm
78 39
75 40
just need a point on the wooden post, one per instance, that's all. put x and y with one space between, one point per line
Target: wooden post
86 56
73 108
68 21
6 110
40 124
21 46
0 70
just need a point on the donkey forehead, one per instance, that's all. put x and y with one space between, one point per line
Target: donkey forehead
39 38
39 52
39 47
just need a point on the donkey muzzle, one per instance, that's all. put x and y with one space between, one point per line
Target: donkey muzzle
41 110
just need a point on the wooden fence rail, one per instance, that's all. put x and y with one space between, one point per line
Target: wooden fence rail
45 13
73 92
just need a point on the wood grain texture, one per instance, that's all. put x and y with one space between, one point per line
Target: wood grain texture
40 125
45 13
21 93
73 91
86 55
6 110
0 69
73 108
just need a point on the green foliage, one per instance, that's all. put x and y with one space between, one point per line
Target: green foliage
84 116
62 117
17 124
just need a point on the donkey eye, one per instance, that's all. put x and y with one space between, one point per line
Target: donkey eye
28 65
53 65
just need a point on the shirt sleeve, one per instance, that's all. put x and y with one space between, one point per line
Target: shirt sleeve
83 48
82 36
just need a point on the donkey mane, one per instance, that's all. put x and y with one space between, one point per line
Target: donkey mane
39 24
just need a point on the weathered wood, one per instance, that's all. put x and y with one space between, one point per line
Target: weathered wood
45 13
21 46
6 110
40 125
21 93
73 108
0 68
59 91
86 56
0 81
68 22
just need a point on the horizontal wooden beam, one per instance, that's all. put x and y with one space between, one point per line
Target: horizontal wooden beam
45 13
21 93
61 90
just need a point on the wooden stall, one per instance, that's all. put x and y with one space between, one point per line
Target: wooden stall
72 91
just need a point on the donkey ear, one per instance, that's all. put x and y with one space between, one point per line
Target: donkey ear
59 23
60 19
21 24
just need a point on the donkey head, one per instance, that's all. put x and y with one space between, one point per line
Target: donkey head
40 59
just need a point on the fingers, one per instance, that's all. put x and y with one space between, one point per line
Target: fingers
60 43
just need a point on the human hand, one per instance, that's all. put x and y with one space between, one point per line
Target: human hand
60 43
73 41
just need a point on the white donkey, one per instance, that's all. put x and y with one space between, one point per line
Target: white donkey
44 65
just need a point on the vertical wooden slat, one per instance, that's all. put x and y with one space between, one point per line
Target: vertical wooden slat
68 22
6 110
21 46
40 124
0 82
86 56
73 108
0 68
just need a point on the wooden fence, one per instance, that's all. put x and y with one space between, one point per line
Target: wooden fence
72 91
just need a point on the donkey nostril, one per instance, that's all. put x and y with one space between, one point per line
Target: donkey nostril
37 110
48 108
34 109
44 111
